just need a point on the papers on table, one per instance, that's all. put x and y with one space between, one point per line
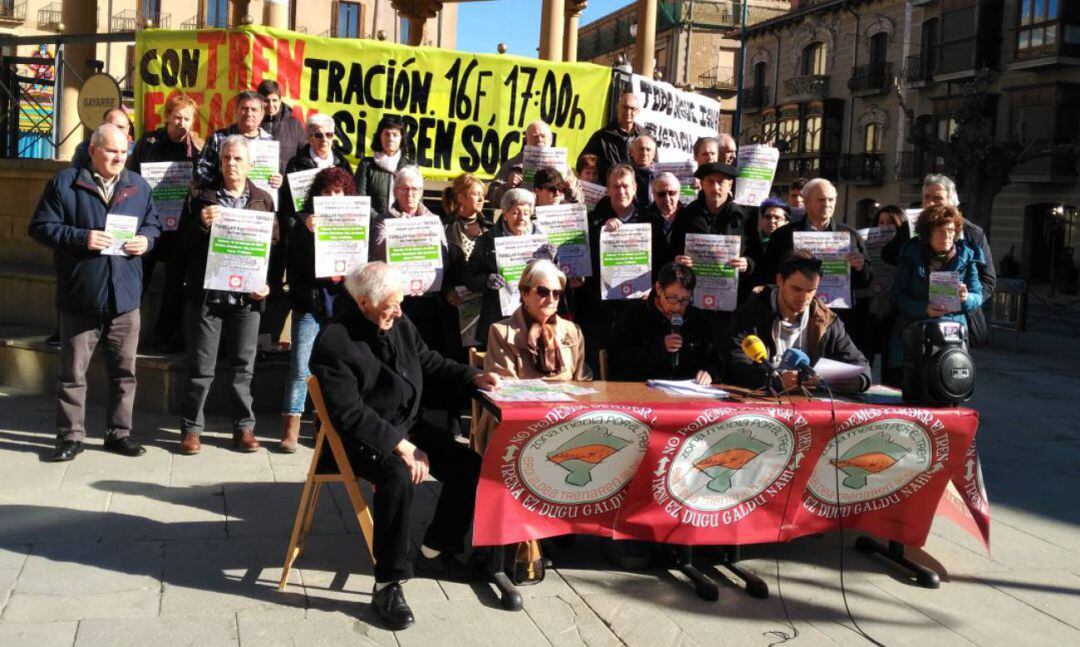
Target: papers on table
757 166
512 254
169 183
342 224
265 160
414 246
593 193
567 228
881 394
300 186
239 253
944 290
829 246
687 389
123 229
536 391
831 370
717 284
684 171
538 157
626 262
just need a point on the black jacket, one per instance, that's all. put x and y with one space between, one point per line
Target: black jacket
302 162
782 243
636 352
662 237
612 145
372 381
288 131
732 220
481 264
155 146
825 337
375 182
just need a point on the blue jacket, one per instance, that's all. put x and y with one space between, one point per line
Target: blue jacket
88 281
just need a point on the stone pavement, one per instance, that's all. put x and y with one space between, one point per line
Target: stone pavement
167 550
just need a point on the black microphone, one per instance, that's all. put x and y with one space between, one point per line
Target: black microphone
676 326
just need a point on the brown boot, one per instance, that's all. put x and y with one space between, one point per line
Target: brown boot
189 443
245 441
290 432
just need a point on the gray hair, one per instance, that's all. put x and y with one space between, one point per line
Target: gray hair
373 281
319 120
543 125
643 136
103 131
251 96
514 197
815 183
538 269
665 178
409 173
952 199
235 141
726 139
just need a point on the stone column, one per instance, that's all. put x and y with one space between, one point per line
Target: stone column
417 12
79 18
551 30
570 32
240 9
276 13
645 48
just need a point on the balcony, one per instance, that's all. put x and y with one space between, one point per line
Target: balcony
1054 167
1044 46
799 89
12 13
131 20
50 17
871 79
807 165
718 78
918 70
863 168
916 164
754 99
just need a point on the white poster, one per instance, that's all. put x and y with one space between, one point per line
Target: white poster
830 247
239 253
675 118
626 262
912 216
875 239
566 227
414 245
122 229
512 254
757 167
265 159
342 226
170 183
300 186
593 193
945 290
717 284
538 157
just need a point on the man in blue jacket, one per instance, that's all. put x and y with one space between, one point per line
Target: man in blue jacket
98 219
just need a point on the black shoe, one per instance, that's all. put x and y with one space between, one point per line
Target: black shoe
66 450
391 607
446 567
124 446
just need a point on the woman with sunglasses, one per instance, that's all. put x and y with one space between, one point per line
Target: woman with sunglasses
320 153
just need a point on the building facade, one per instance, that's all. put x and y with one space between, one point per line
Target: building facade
826 84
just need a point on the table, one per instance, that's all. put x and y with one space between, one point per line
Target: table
631 462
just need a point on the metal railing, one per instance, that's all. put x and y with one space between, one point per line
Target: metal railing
824 165
132 20
718 78
755 98
871 78
918 68
50 16
867 168
805 88
916 164
11 11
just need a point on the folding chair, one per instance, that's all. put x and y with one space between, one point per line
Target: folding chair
476 360
322 472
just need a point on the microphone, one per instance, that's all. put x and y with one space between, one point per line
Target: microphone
676 326
755 349
796 360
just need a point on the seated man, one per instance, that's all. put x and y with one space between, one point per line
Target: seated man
371 365
788 316
646 344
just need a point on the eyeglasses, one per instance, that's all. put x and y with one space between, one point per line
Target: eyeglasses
678 301
323 135
545 292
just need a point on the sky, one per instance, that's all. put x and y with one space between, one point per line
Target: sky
483 25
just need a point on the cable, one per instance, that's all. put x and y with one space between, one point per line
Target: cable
781 636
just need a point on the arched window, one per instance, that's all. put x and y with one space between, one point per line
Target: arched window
813 59
872 138
812 135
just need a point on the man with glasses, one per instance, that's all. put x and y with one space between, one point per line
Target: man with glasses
665 336
661 214
612 142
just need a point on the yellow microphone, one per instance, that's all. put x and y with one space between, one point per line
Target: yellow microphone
755 349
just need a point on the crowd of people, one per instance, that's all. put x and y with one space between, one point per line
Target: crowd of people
374 349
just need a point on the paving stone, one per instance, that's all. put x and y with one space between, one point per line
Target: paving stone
51 515
566 619
274 629
440 623
38 634
198 630
269 510
1053 591
217 463
155 511
636 620
77 581
96 464
24 471
13 555
8 576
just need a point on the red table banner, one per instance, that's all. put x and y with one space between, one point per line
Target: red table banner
707 473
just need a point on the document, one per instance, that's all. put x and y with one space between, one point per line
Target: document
528 391
512 254
265 160
593 193
684 171
239 254
123 229
300 186
170 183
717 284
831 370
757 167
626 262
567 228
875 239
414 246
687 388
342 226
538 157
830 247
469 316
945 290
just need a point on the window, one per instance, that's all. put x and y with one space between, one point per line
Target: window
760 70
347 20
788 132
216 13
929 46
958 40
149 10
879 46
872 138
1037 29
812 135
813 61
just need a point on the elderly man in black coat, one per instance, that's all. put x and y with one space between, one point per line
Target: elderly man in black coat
371 364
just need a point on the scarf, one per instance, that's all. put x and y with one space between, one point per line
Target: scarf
542 345
787 335
388 163
458 234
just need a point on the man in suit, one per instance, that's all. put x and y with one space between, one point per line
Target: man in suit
372 364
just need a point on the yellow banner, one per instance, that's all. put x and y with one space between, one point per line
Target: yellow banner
464 112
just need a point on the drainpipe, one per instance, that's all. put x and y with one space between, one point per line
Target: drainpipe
851 119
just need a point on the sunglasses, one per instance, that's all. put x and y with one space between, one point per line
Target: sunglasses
544 292
323 135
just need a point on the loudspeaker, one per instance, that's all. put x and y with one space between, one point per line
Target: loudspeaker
938 370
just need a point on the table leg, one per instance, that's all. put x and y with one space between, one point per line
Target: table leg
705 588
755 586
508 593
924 577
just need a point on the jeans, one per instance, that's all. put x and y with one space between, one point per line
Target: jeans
304 329
205 325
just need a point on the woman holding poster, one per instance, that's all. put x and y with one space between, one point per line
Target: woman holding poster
391 151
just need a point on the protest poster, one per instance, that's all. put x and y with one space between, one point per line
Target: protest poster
512 254
593 193
567 228
169 183
626 262
414 246
300 186
684 171
239 253
342 226
122 229
757 167
675 118
945 290
538 157
830 246
912 217
875 239
717 284
265 159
